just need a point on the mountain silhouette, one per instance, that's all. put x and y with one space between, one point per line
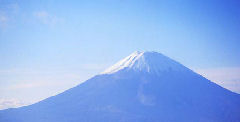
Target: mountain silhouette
143 87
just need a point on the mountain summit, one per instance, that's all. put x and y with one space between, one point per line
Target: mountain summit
146 62
143 87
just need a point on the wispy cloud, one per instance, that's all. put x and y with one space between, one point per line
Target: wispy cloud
25 83
228 77
11 103
47 18
3 20
7 13
14 8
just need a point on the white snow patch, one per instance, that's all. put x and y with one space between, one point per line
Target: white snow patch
145 61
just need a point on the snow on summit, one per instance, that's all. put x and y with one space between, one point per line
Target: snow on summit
145 61
153 90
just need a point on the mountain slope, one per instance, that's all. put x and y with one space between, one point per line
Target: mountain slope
151 62
144 87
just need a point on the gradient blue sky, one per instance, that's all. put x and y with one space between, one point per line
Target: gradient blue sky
48 46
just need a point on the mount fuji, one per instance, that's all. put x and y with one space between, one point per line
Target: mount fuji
143 87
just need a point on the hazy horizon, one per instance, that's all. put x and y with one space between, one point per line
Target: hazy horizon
49 46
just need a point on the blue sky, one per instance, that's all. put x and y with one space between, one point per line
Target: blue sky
48 46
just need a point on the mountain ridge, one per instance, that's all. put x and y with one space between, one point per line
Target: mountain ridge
135 94
148 61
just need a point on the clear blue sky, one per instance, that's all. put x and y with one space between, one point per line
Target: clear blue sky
49 42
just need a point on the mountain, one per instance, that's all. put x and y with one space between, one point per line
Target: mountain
143 87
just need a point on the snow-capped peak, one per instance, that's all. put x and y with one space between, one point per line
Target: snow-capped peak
146 62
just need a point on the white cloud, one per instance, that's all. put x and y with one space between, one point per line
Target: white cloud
228 77
14 7
27 85
8 12
47 18
3 20
11 103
